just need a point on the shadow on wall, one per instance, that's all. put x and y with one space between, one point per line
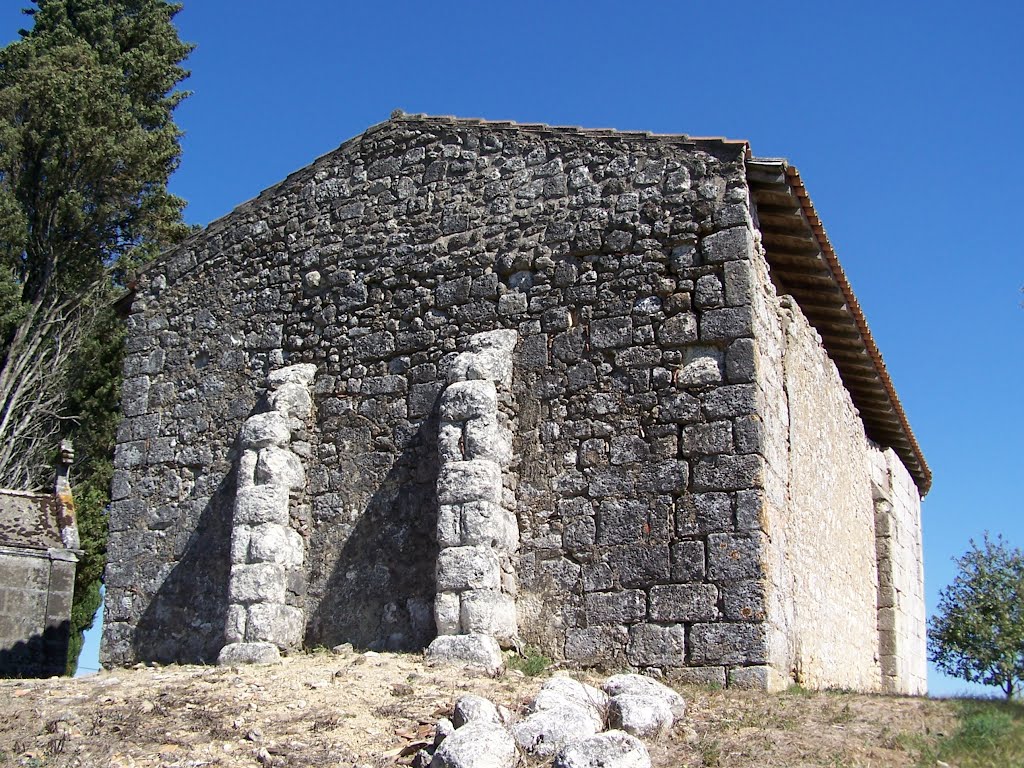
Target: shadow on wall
42 655
184 622
379 593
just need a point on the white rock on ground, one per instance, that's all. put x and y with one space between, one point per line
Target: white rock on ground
562 691
248 653
611 749
640 715
470 708
477 744
644 686
544 732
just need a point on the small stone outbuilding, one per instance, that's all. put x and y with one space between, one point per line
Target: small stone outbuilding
39 550
605 393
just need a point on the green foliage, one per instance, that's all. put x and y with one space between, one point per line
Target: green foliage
990 734
978 633
87 143
531 662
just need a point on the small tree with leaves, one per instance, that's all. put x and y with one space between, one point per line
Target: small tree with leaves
978 633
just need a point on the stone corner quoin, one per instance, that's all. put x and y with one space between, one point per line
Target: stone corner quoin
511 382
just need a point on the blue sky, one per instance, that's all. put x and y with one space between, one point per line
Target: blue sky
905 120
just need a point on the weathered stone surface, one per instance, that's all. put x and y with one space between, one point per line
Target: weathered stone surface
477 744
280 467
263 429
248 653
563 691
641 685
489 612
260 504
474 708
613 749
473 650
462 568
273 623
488 357
275 543
545 731
462 481
259 582
654 645
464 400
648 717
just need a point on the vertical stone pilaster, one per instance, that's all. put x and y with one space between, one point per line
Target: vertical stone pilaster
477 530
265 549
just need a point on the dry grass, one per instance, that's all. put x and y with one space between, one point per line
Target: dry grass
367 710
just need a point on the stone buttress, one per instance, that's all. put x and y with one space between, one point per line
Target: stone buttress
477 532
265 549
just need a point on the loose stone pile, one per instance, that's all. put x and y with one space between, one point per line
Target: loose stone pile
566 721
265 550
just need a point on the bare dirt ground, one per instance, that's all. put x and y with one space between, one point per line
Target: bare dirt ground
371 710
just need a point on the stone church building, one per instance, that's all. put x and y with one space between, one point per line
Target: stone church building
604 393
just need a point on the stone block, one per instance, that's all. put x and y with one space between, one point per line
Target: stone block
248 653
670 476
263 429
293 400
464 400
462 568
281 625
748 435
745 600
750 511
708 293
489 612
611 749
234 625
487 440
731 401
706 439
628 449
687 561
276 543
760 677
640 715
741 361
729 643
301 374
623 521
684 602
260 582
448 613
541 734
449 525
706 676
625 607
729 473
726 324
738 283
642 685
473 650
727 245
640 565
487 524
280 467
679 408
611 333
678 330
701 513
733 557
474 480
488 357
655 645
422 398
240 535
700 370
595 645
260 504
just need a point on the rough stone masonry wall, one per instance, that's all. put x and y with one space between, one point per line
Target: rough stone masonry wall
901 609
621 260
820 512
35 611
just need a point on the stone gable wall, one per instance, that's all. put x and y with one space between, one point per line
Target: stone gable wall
621 261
